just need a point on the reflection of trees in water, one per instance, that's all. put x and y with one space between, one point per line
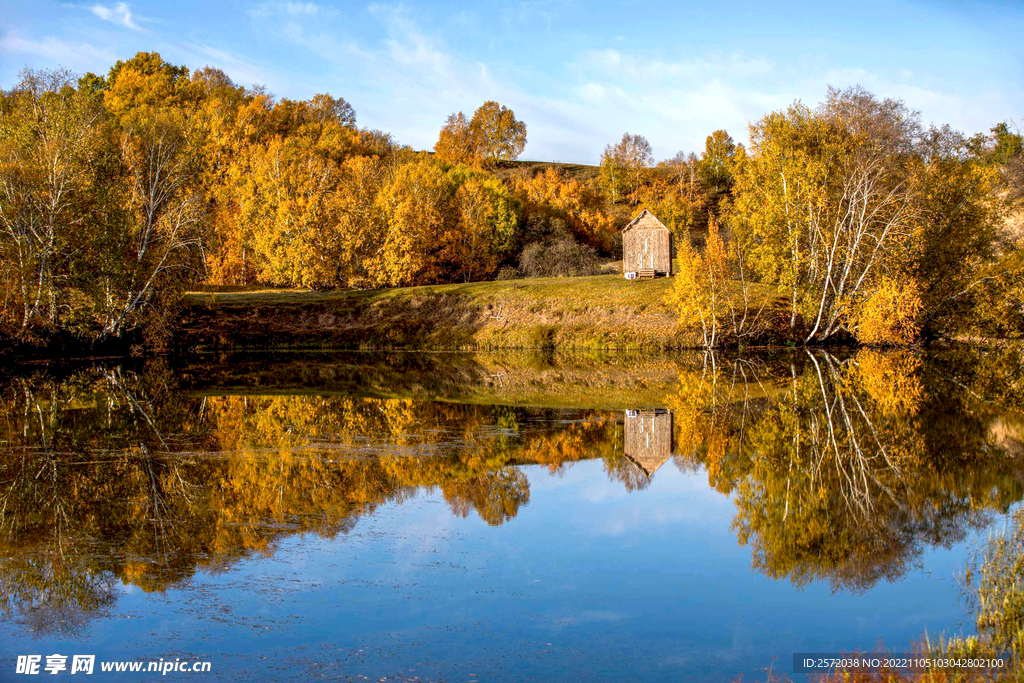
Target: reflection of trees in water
496 496
844 469
50 593
110 476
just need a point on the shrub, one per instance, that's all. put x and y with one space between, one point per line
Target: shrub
507 273
561 257
889 315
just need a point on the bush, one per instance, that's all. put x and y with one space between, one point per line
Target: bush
561 257
507 273
889 315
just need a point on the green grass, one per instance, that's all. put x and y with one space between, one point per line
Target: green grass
599 312
578 292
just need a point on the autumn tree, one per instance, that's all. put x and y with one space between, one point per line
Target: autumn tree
231 119
716 168
455 144
153 239
293 209
1000 147
302 193
418 208
488 217
623 166
442 226
554 195
493 135
50 140
497 134
715 165
675 193
103 216
967 263
890 313
699 292
828 199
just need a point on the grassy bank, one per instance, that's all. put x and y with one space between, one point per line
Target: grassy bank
602 311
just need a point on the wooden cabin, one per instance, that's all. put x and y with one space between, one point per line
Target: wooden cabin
648 439
648 247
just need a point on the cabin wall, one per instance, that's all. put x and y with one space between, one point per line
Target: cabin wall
658 253
648 437
648 434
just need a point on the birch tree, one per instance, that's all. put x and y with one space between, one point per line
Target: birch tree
153 233
624 165
49 138
828 199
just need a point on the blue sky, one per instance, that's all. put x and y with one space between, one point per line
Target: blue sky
579 73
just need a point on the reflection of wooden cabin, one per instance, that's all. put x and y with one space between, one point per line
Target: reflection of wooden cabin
647 247
648 439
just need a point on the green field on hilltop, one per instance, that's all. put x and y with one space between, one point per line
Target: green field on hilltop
584 292
601 311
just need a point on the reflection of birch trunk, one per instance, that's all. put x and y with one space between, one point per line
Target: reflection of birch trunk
116 379
155 501
155 467
857 452
40 462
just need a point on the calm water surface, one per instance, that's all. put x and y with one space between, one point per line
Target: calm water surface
498 517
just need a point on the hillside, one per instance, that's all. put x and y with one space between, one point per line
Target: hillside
581 172
602 311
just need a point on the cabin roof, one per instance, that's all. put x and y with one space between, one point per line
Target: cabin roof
658 451
648 465
647 220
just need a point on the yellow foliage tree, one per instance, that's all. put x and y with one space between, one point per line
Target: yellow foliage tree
442 226
497 134
455 143
494 134
578 203
889 315
700 294
624 167
827 201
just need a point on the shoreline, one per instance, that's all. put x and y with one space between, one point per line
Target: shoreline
603 313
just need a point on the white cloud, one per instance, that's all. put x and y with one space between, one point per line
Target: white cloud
409 47
119 13
241 71
595 93
403 76
409 80
70 54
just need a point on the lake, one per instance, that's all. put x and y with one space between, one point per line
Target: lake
475 517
